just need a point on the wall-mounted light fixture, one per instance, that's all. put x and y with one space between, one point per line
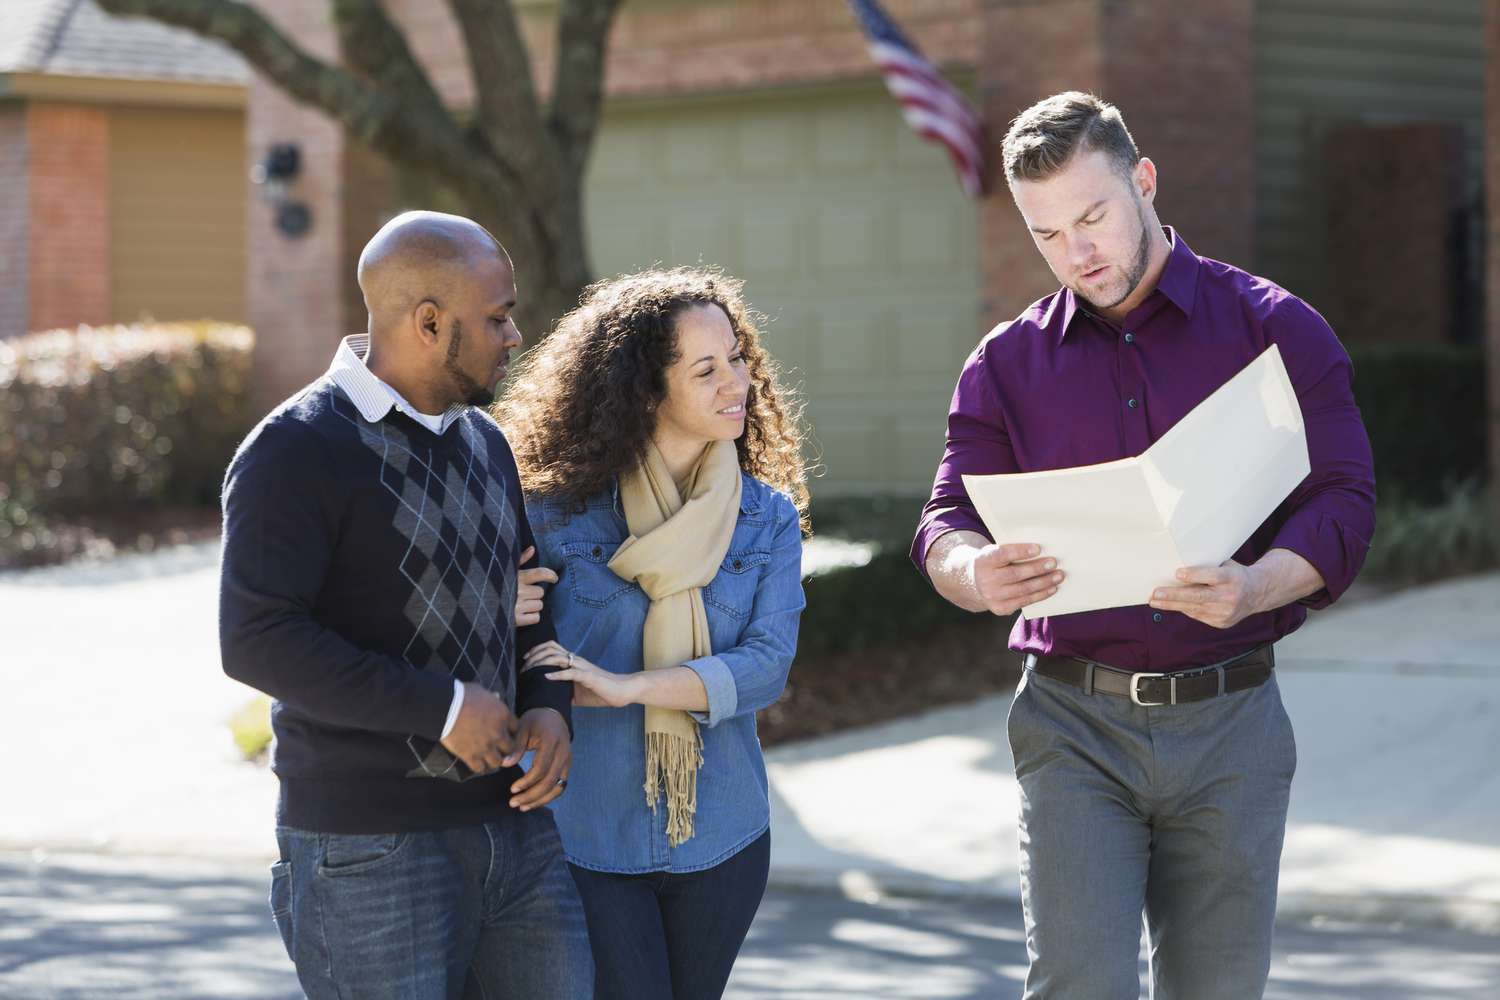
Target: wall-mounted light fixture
274 176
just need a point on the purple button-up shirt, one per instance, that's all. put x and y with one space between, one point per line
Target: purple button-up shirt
1060 387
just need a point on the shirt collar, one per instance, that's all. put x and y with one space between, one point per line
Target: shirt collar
1178 282
372 397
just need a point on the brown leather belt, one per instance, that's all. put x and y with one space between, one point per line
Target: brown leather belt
1240 673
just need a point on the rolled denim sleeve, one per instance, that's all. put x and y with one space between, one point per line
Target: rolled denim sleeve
977 444
1329 519
752 674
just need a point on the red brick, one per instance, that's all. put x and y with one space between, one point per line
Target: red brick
295 285
68 223
1203 152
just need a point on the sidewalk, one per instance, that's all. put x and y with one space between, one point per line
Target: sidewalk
1395 810
1395 813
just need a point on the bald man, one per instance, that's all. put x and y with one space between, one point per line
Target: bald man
372 527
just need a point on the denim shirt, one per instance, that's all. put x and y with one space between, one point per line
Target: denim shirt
753 603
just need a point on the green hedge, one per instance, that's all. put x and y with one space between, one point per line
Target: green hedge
1433 542
856 607
1424 407
113 418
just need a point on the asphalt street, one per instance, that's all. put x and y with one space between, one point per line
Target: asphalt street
80 926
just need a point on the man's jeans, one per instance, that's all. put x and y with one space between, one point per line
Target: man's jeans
1177 810
481 912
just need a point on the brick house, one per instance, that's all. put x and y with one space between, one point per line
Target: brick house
122 170
1337 148
755 135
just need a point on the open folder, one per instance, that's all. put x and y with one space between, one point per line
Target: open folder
1121 529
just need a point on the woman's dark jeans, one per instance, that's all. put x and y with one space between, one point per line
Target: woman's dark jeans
663 934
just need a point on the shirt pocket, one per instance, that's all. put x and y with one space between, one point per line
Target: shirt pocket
590 579
732 590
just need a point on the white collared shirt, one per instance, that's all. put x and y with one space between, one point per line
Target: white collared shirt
373 397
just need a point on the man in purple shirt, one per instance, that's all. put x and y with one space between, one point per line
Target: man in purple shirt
1153 753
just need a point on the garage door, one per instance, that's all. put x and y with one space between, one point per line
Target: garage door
852 235
177 207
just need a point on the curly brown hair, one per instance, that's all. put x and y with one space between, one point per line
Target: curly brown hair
581 405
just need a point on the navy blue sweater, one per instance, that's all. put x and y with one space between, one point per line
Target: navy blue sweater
366 565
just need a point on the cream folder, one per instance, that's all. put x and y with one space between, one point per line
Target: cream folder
1121 529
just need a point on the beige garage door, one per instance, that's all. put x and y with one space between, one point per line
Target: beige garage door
852 235
177 207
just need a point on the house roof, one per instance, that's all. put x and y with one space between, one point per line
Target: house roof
76 38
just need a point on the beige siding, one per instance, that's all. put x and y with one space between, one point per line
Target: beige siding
852 236
178 214
1322 63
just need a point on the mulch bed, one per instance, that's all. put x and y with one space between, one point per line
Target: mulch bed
893 681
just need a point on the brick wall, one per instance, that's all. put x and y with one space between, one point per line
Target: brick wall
69 215
1032 50
1202 149
295 287
14 297
1187 87
660 49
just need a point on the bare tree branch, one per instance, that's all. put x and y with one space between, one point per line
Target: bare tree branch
370 44
505 98
578 84
248 32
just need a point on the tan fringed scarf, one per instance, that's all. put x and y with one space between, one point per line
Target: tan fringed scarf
674 549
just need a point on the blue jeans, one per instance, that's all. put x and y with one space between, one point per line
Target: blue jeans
476 912
1177 811
672 935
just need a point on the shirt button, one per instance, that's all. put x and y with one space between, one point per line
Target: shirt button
1156 616
1130 338
1131 403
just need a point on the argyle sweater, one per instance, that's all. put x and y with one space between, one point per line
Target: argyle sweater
365 566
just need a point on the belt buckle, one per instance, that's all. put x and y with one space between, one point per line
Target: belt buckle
1135 691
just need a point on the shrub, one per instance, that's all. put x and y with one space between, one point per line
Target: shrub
1423 406
885 600
854 607
105 419
1415 543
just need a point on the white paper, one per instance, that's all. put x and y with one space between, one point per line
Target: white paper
1121 529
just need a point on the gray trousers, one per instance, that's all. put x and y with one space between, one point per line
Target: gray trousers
1175 811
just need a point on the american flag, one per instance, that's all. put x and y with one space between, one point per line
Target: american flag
932 106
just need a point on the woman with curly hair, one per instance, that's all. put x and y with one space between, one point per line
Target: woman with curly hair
666 489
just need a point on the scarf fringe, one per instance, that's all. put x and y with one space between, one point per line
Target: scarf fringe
672 763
